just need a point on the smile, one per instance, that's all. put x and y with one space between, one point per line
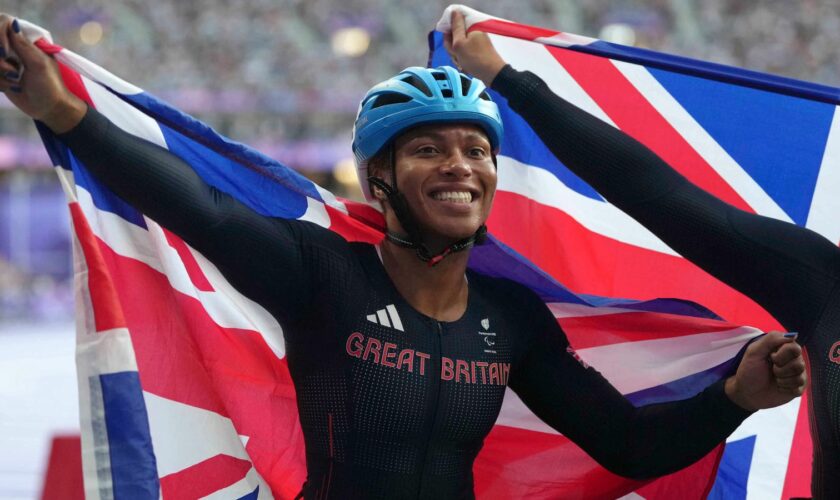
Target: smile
453 196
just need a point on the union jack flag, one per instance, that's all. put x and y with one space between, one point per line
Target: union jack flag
184 386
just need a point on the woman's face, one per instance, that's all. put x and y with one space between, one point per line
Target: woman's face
448 178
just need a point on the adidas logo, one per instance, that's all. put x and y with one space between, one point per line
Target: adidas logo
387 317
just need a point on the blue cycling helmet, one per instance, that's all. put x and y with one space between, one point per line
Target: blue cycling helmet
418 96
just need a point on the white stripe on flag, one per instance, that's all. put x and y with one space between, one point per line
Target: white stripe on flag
633 366
316 213
604 218
567 310
95 72
124 115
525 55
184 435
825 205
701 141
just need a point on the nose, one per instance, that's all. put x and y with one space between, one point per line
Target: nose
456 165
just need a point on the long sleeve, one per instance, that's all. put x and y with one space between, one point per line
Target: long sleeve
579 402
789 270
264 257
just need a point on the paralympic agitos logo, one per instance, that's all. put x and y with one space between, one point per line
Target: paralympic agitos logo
834 353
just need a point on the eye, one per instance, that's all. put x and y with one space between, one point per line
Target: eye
426 149
477 152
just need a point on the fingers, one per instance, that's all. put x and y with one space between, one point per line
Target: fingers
787 353
26 50
459 24
5 28
789 368
769 343
794 384
11 69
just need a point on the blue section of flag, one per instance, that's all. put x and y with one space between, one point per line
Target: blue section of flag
133 467
255 188
251 496
713 71
230 159
102 197
496 259
734 470
791 132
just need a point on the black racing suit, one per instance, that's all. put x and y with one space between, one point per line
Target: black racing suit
392 403
792 272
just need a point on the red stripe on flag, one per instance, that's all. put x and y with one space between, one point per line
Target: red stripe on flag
514 30
686 483
183 355
71 79
355 227
633 114
798 477
107 311
520 463
47 47
197 277
596 331
204 478
590 263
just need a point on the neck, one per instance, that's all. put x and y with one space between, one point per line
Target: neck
439 292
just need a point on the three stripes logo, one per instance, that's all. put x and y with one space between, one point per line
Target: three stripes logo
387 317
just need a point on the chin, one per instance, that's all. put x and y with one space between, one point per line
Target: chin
458 232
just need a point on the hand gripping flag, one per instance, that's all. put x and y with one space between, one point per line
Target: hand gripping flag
183 381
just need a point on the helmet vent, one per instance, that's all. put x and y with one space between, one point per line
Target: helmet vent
439 75
390 98
418 84
466 83
446 92
484 95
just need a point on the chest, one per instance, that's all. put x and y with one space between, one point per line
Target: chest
455 373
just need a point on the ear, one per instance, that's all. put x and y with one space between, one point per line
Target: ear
379 194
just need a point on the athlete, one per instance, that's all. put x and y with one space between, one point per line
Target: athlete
396 386
792 272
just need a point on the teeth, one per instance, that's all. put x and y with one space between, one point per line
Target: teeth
456 196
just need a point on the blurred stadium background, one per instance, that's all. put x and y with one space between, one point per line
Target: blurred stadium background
285 76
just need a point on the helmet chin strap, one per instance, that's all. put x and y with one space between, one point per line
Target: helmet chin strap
413 239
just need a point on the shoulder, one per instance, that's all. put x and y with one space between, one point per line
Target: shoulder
310 235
